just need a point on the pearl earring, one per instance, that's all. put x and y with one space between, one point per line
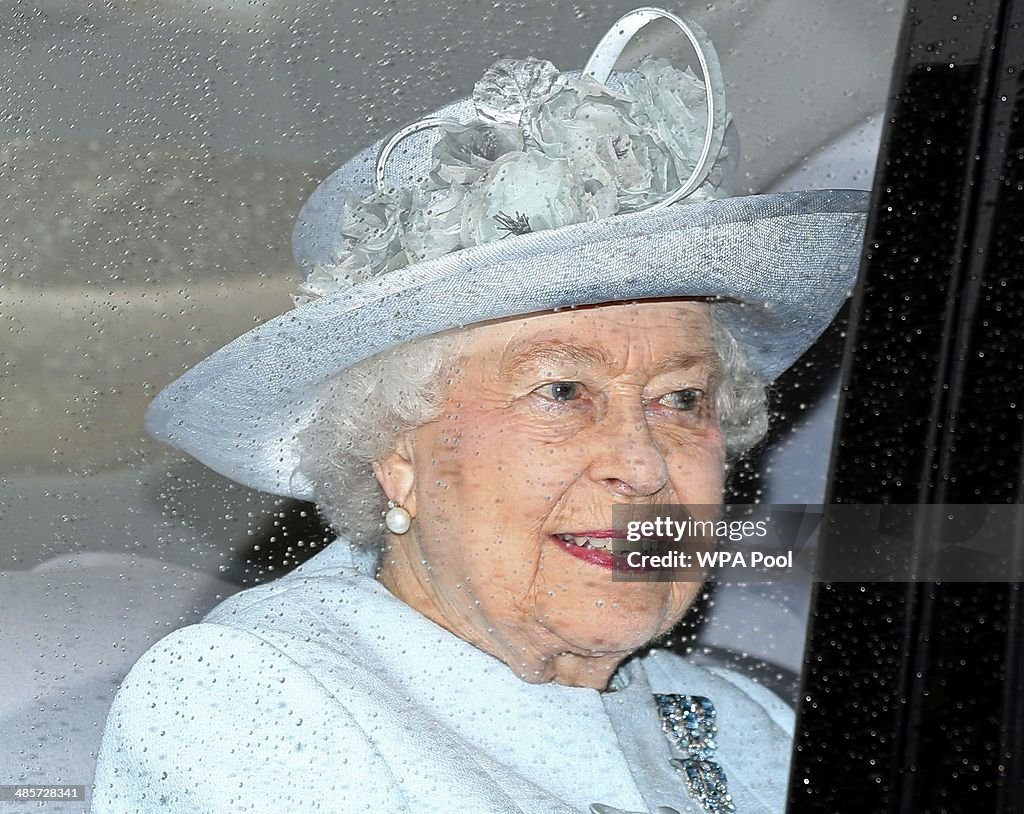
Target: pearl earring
397 519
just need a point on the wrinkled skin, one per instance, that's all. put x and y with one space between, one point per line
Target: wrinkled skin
550 420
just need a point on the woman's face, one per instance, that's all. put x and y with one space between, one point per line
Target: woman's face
550 422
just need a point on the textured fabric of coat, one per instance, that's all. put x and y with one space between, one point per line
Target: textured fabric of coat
322 692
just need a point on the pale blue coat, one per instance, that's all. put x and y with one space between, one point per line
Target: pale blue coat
322 692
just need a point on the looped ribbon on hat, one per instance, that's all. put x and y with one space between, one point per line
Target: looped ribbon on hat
610 48
599 66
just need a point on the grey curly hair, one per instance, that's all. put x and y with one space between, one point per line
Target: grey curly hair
363 409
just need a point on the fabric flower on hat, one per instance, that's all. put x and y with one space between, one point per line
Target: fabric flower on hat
670 104
522 192
375 228
466 152
546 150
434 229
614 159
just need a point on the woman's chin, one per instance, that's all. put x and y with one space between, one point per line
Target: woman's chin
610 638
619 625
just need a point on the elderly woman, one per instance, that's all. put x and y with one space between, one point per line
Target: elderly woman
552 315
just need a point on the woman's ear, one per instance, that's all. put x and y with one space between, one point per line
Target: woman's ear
396 476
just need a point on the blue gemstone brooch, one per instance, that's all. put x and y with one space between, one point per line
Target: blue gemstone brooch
689 722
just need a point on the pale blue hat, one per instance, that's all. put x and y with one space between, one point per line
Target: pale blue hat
386 265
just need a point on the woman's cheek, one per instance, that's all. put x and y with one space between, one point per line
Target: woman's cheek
522 425
548 422
704 442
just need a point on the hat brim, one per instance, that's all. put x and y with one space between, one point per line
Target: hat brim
784 263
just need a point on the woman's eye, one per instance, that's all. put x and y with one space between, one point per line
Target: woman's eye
560 391
688 399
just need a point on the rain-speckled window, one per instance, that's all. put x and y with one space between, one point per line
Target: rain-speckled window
380 381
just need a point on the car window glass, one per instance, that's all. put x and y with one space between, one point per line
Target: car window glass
153 160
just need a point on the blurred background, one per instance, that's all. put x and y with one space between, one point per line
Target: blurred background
153 157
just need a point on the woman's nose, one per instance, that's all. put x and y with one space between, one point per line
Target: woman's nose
627 458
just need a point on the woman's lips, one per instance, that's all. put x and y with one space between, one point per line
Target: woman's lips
601 557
